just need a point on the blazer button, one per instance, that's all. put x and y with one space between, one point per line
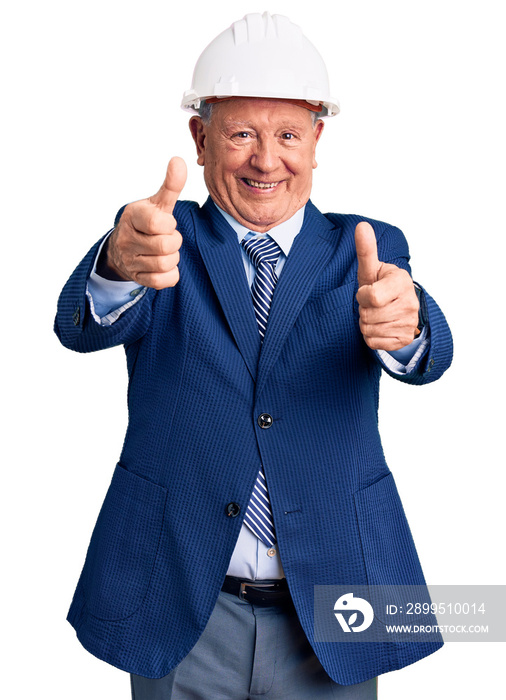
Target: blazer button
233 510
265 420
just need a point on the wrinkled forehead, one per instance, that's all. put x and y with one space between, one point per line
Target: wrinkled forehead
257 109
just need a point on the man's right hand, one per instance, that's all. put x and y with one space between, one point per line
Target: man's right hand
144 247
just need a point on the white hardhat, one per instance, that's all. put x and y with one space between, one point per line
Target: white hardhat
261 56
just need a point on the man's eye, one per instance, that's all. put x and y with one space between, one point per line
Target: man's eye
242 135
287 136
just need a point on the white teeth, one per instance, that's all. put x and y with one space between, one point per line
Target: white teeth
261 185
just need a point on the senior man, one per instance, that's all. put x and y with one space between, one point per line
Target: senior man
256 329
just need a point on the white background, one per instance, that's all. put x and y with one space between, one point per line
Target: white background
91 116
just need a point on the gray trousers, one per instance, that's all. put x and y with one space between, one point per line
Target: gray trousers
247 652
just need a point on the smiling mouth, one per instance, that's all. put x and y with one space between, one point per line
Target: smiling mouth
260 185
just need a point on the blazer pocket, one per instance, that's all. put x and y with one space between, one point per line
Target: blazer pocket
393 570
328 302
389 551
123 547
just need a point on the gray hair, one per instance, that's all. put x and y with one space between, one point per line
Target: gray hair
206 112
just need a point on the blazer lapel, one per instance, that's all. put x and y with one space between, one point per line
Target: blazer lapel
312 250
221 253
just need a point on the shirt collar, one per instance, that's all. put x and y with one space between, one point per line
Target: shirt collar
284 234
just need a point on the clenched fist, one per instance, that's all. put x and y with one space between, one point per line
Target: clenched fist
144 247
387 299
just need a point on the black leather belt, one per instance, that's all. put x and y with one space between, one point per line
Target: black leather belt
264 593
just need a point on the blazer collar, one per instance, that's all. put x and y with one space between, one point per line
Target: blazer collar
311 251
221 253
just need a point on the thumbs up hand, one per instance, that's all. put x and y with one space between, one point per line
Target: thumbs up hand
386 296
145 245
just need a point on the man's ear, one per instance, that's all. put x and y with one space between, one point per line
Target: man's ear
318 130
198 131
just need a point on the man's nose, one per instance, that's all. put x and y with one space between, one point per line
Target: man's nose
265 156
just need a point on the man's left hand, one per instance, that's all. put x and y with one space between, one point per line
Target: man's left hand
386 296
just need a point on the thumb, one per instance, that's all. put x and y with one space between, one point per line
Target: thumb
175 179
367 254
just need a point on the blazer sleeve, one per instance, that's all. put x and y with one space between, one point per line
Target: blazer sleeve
393 248
75 326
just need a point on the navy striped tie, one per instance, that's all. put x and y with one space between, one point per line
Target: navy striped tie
263 253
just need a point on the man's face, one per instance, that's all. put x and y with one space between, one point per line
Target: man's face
258 157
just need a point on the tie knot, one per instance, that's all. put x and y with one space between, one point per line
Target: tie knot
261 249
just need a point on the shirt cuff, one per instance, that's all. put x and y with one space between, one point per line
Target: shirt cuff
109 299
405 360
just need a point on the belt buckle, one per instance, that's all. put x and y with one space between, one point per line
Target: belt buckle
243 592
